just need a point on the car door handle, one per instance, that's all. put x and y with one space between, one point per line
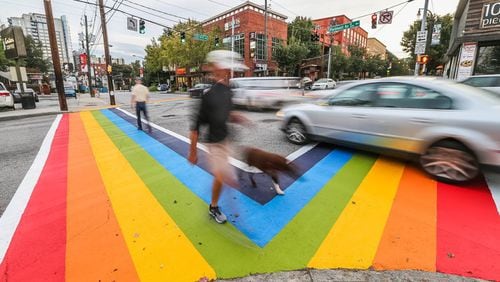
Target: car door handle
421 120
359 116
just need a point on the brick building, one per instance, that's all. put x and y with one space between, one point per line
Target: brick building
353 36
376 47
249 35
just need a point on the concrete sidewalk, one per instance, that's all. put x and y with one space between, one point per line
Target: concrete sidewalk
49 105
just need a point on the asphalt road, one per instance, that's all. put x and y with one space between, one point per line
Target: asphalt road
20 141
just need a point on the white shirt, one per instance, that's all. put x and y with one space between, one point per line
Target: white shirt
140 92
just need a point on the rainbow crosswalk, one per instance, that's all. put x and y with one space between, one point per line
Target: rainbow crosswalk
104 201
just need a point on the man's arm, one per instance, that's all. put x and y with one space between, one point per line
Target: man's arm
193 153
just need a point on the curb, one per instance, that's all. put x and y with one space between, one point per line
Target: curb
15 117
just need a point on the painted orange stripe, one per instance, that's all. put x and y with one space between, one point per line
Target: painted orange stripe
95 249
409 239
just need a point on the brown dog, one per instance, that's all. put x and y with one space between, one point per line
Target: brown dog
270 164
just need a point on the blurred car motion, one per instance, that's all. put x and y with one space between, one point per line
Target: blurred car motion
449 127
266 92
488 82
17 95
6 98
198 90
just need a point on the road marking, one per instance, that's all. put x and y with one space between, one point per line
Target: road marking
159 248
12 215
411 222
235 162
94 239
493 180
353 240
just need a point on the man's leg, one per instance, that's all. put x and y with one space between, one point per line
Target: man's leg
138 114
147 116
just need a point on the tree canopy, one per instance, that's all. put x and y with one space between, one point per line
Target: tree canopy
436 52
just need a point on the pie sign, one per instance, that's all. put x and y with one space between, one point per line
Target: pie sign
385 17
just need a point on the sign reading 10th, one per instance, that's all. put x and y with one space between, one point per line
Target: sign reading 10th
491 15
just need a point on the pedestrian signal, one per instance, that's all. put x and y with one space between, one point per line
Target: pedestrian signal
216 41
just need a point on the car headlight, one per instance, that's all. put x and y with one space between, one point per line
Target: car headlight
280 114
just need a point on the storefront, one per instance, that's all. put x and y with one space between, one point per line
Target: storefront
475 40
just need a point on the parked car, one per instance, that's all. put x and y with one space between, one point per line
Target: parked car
266 92
69 91
17 95
307 83
488 82
450 128
6 98
324 83
198 90
162 87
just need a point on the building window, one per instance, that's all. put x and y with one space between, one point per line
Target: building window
260 50
488 60
275 43
239 43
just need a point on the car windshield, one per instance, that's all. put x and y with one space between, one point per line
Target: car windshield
1 87
323 80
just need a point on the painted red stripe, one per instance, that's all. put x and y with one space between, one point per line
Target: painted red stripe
468 235
37 250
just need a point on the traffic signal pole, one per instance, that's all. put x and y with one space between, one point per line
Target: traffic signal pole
106 54
422 28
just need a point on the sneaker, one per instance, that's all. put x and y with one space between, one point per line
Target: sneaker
217 214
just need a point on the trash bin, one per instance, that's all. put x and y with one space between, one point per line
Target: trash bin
28 101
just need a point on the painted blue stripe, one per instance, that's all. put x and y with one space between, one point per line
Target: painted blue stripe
260 223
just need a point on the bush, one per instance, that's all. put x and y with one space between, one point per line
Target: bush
153 88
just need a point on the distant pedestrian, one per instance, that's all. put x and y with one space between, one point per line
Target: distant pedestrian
140 96
215 111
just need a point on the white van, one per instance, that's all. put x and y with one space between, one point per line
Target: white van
266 92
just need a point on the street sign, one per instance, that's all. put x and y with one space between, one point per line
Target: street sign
420 48
340 27
436 34
385 17
421 36
131 24
201 37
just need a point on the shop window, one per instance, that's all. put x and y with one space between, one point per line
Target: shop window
276 42
239 43
260 50
488 60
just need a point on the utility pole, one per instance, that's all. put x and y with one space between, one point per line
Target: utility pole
232 46
89 66
55 55
422 28
106 54
265 37
332 23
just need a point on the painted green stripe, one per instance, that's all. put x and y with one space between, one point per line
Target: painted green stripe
227 250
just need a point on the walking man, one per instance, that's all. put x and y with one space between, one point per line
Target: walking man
215 112
140 95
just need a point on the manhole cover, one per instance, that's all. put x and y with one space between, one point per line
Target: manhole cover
270 120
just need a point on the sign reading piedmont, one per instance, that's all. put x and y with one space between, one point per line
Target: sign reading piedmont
490 16
343 26
201 37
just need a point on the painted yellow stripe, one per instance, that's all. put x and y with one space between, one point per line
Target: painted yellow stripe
159 249
353 240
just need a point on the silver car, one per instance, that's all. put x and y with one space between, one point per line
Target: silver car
451 128
489 82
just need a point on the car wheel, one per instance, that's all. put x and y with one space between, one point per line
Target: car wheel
296 132
450 161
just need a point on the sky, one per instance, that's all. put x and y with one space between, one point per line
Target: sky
126 44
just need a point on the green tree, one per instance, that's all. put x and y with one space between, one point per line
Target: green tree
4 62
290 56
300 30
34 58
437 52
338 63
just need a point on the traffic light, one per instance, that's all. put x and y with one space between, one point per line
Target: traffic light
183 36
423 59
315 36
142 26
374 21
216 41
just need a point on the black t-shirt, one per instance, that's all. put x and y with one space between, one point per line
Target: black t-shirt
214 110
